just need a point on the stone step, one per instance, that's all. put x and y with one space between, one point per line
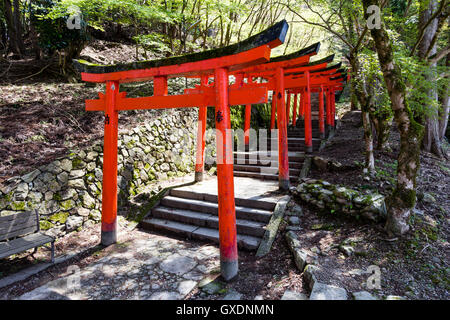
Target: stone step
199 233
248 203
260 169
200 219
300 133
300 140
292 165
244 213
263 176
265 156
302 148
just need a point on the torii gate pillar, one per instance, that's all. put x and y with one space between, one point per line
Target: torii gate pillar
227 213
201 130
109 189
321 114
283 160
308 121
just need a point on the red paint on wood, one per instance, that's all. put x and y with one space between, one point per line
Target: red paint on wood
308 124
227 215
204 96
273 111
109 190
328 108
283 159
294 116
248 115
321 113
234 62
288 108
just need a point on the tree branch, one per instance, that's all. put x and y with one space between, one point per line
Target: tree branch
438 56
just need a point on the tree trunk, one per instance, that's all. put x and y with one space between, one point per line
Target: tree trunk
368 139
445 103
382 125
34 37
18 26
364 100
403 199
12 30
431 141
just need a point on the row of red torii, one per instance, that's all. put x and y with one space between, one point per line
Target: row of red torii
246 61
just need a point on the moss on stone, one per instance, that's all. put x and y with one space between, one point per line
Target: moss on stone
60 217
76 163
57 196
67 204
18 206
45 225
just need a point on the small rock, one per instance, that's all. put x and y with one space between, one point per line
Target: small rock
74 222
322 291
309 274
29 177
165 295
428 198
292 295
347 250
178 264
296 210
66 165
363 295
233 295
293 220
212 287
21 191
186 286
395 298
320 163
293 228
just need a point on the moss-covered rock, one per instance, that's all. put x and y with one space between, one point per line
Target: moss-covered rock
60 217
337 199
45 225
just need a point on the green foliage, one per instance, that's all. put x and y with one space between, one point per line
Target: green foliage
50 22
417 75
156 42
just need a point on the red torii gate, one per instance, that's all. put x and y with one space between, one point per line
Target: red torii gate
293 60
275 69
220 63
322 81
305 76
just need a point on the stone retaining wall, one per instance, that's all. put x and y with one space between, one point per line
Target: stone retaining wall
67 192
341 200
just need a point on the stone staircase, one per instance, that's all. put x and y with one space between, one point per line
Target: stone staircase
246 165
193 214
264 165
